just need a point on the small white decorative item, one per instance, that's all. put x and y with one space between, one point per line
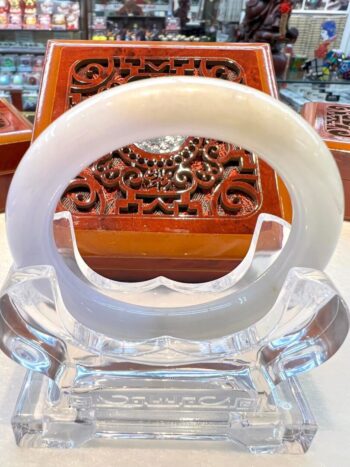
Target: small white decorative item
163 359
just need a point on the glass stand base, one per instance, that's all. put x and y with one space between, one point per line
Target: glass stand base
180 404
175 361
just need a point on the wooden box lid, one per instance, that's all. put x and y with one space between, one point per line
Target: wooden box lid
15 136
332 123
157 228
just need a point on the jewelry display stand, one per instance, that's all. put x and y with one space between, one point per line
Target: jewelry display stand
241 387
163 359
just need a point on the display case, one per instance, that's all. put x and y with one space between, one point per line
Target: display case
146 20
297 90
25 29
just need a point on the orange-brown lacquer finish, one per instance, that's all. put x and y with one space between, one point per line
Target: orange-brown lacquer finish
15 136
133 217
332 123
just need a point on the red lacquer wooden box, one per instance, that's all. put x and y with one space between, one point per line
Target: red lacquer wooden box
195 232
332 123
15 136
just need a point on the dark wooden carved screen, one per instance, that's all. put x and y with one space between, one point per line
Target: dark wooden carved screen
207 189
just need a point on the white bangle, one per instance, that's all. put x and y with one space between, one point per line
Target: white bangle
170 106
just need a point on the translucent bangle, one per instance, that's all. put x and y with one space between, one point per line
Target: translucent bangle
172 106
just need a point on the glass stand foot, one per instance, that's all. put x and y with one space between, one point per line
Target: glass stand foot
177 404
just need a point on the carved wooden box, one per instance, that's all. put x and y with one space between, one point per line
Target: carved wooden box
332 123
15 136
183 207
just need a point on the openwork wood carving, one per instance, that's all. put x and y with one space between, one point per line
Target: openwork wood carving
200 178
91 76
205 178
337 121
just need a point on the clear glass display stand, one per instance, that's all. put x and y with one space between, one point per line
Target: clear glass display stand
240 386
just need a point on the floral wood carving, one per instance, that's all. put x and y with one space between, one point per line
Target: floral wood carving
337 121
201 178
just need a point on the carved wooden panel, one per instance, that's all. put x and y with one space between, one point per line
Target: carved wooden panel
337 120
183 184
15 136
204 179
200 178
332 122
87 77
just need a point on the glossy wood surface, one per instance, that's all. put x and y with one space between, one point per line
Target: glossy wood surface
15 136
110 224
332 123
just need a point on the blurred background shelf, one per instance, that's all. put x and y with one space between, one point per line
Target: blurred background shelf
170 20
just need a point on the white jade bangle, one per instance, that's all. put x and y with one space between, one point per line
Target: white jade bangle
171 106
